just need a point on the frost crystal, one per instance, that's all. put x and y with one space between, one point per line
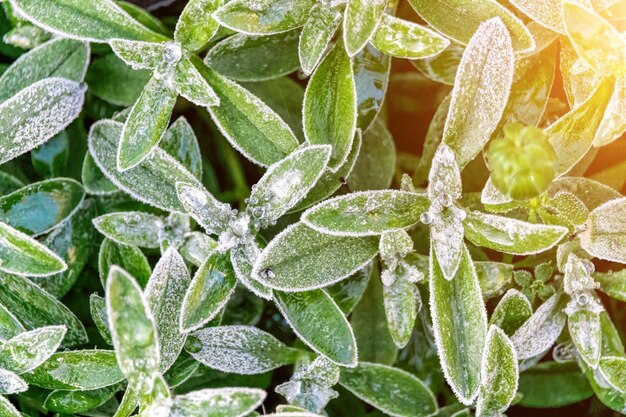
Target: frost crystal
580 285
310 386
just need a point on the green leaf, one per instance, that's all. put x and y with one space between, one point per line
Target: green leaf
375 166
371 77
330 106
40 207
146 124
402 302
590 192
70 402
614 370
59 57
586 333
369 322
241 350
112 80
222 402
143 55
612 283
208 293
263 16
37 113
548 13
573 134
481 90
286 183
244 57
460 19
180 142
459 324
605 233
21 254
242 257
36 308
348 292
511 312
510 235
164 293
134 228
300 259
7 408
391 390
28 350
77 370
499 374
133 331
158 168
128 257
441 68
553 385
87 20
192 85
595 40
250 125
542 329
9 325
196 24
494 278
316 35
98 310
403 39
361 19
10 383
205 209
366 213
303 310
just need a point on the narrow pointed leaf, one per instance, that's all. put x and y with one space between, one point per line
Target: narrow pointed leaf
404 39
360 22
391 390
586 333
196 24
300 259
317 32
605 234
335 340
131 228
330 105
460 325
192 85
70 402
402 302
371 78
264 16
221 402
10 383
180 142
28 350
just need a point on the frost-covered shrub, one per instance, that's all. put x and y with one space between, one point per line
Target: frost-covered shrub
213 211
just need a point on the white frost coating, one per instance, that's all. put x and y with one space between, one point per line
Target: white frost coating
37 113
605 233
131 228
548 13
481 90
541 330
243 350
28 350
492 196
211 401
243 257
393 248
10 383
139 54
213 215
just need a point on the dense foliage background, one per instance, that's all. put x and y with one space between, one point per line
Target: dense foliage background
299 208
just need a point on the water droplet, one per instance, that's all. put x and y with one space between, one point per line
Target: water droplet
427 217
582 299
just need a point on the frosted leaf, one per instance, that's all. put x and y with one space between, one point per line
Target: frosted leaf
402 303
481 90
366 213
305 310
219 402
128 257
141 55
613 370
459 325
285 184
209 291
263 17
310 385
173 233
541 330
77 370
446 234
548 13
180 141
164 293
196 25
490 195
190 84
404 39
158 168
10 383
87 20
330 105
512 311
9 325
59 57
26 36
613 123
241 350
499 375
197 247
133 331
28 350
21 254
578 275
444 179
300 258
316 35
605 234
146 124
509 235
37 308
37 113
585 330
7 408
361 19
134 228
395 244
210 213
391 390
243 256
